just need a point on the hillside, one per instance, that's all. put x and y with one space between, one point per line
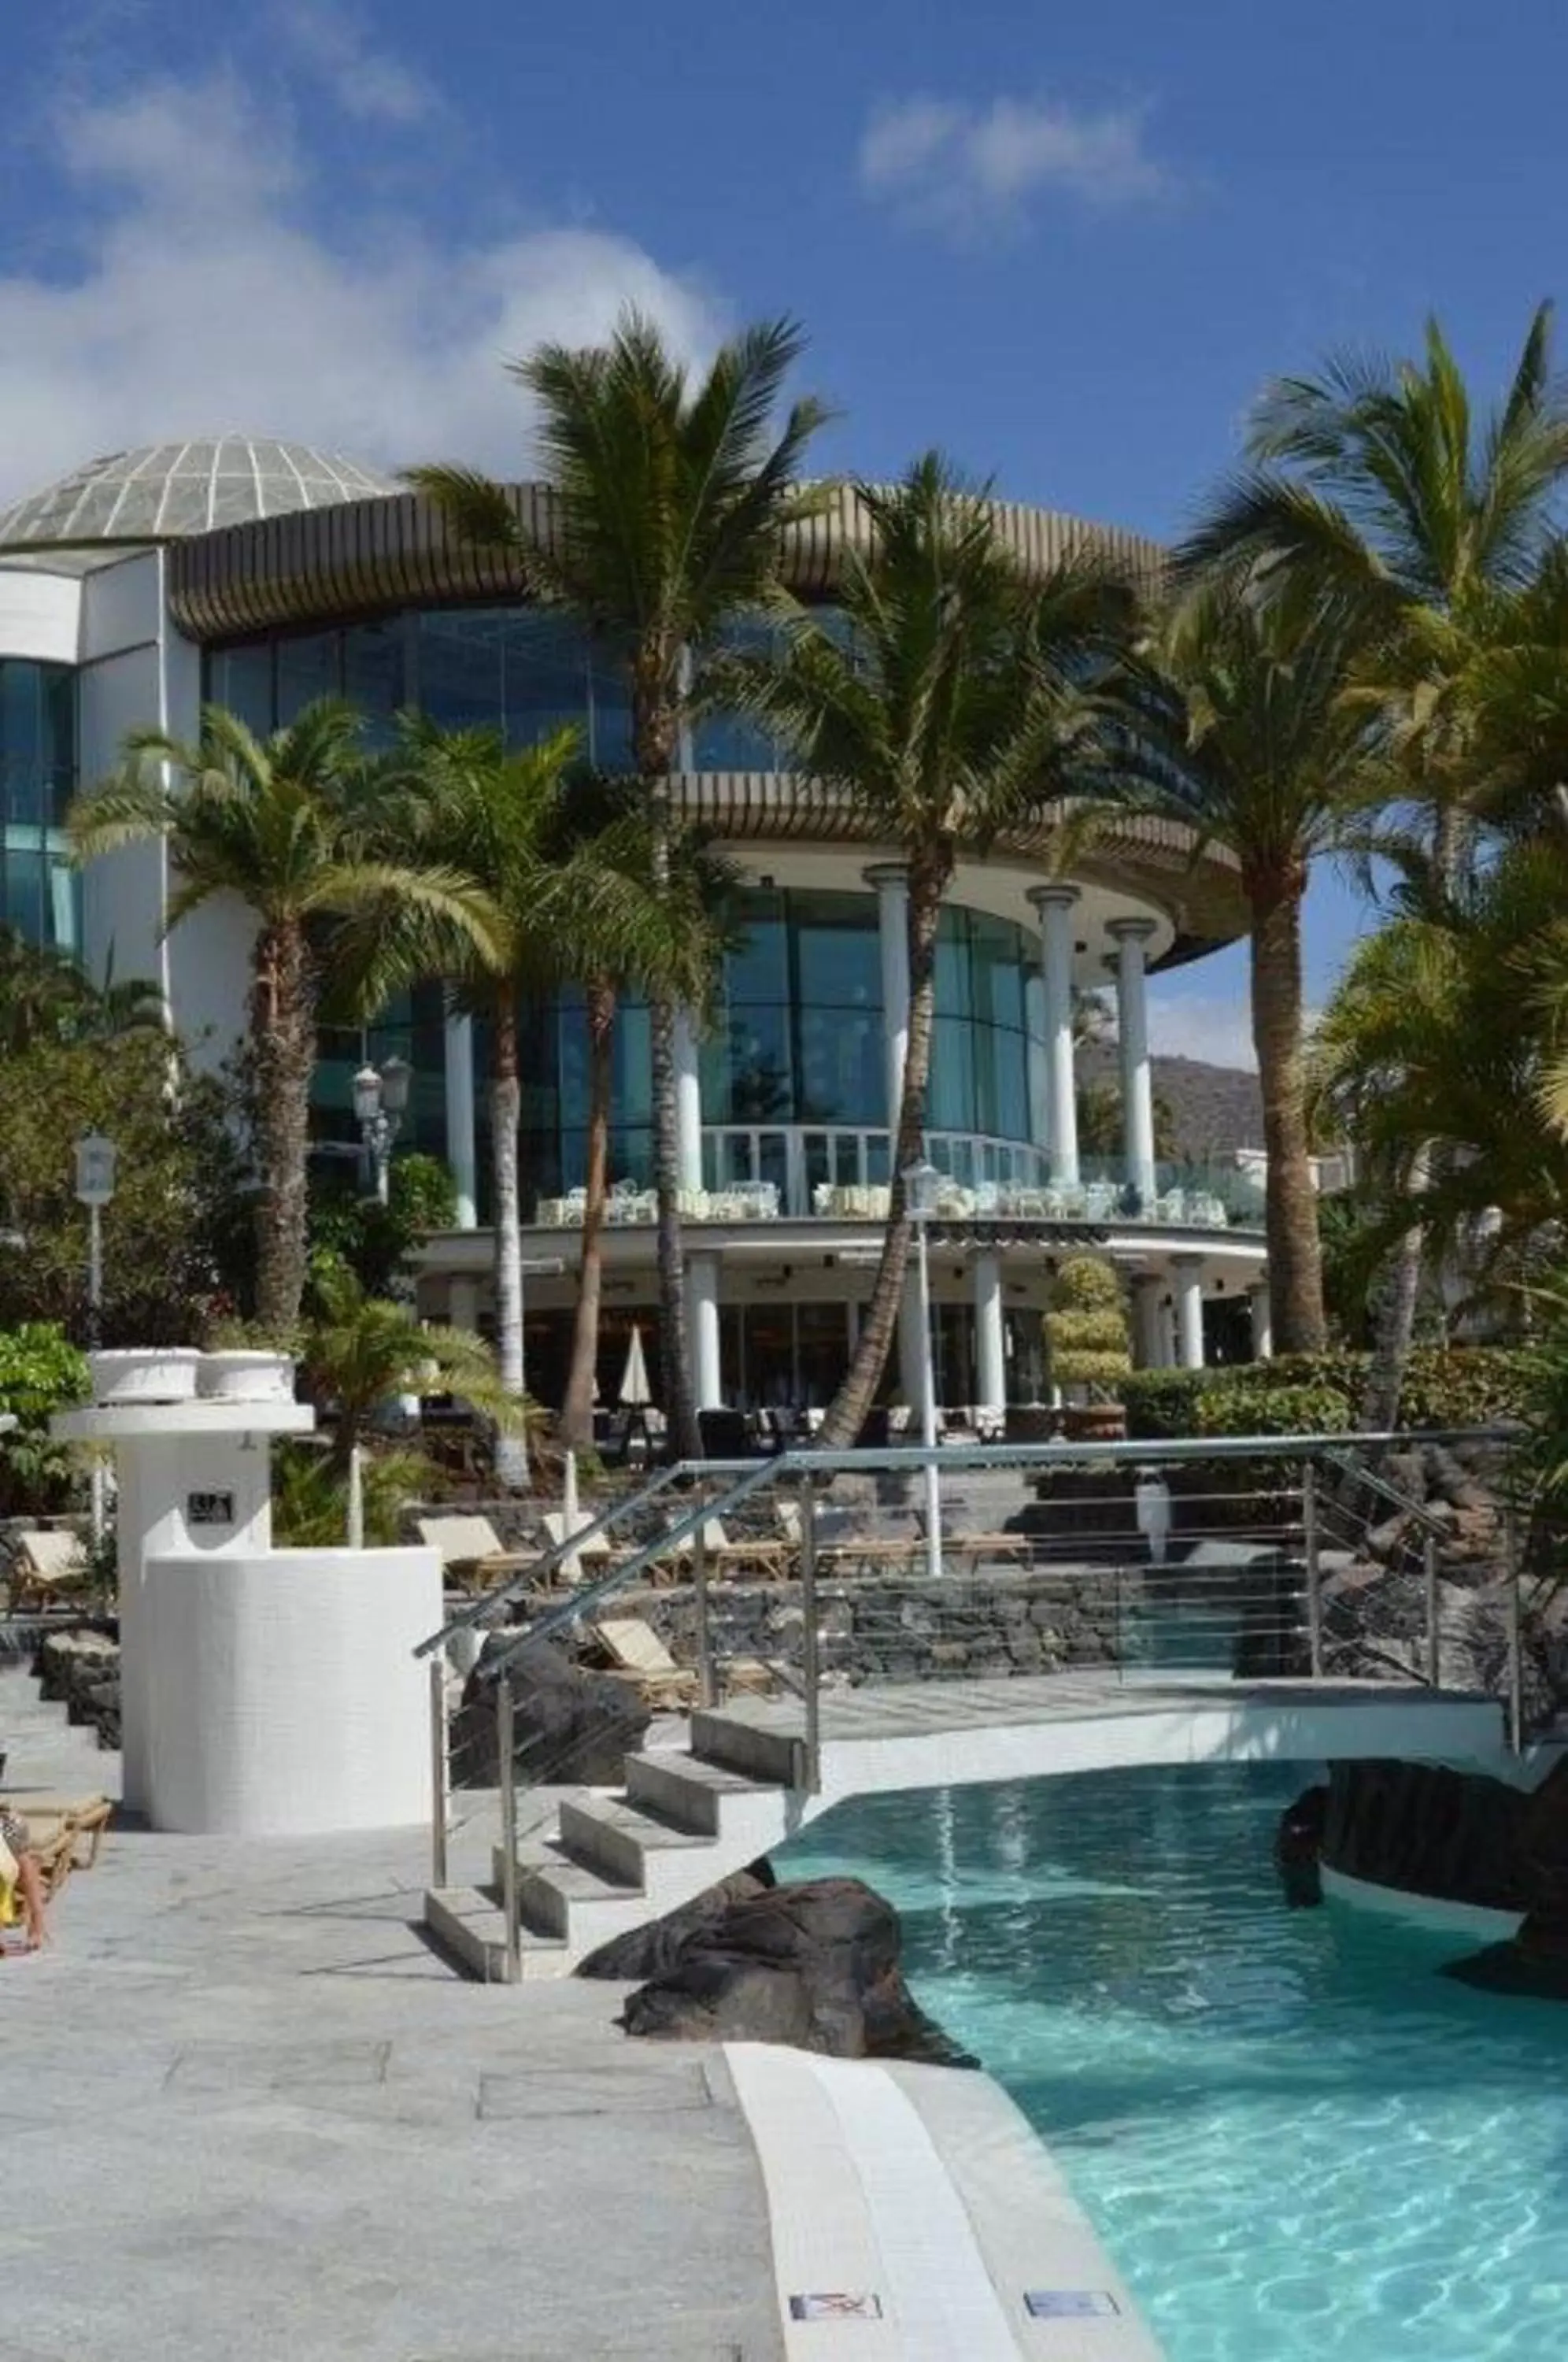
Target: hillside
1217 1109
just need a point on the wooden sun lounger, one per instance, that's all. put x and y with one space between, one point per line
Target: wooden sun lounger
66 1831
769 1554
637 1655
47 1565
471 1548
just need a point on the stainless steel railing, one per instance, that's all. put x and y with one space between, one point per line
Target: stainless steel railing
813 1570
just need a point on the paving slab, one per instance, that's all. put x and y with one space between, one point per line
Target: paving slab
251 2114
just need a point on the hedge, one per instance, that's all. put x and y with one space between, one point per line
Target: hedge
1320 1393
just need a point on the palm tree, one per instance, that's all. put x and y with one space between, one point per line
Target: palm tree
1376 487
1451 1025
1273 762
566 867
45 995
670 500
962 696
624 934
358 1352
471 809
287 826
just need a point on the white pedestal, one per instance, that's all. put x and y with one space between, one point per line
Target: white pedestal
282 1691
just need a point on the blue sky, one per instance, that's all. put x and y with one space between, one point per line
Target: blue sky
1067 243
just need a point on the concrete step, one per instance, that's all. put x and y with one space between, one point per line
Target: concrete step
630 1844
707 1798
770 1758
468 1925
575 1902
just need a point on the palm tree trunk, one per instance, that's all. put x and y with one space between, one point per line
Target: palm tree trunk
1396 1294
577 1410
1295 1254
846 1413
505 1107
283 1039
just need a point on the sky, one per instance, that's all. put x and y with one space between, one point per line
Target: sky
1068 245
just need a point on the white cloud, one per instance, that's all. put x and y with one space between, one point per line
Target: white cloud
366 83
204 293
965 169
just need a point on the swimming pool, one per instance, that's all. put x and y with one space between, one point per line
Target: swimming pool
1297 2139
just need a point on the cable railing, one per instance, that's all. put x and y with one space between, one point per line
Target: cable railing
1208 1559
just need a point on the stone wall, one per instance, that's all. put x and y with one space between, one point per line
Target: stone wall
81 1669
906 1627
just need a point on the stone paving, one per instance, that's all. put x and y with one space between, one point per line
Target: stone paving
248 2113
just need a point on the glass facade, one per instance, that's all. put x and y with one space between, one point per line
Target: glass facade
520 669
38 891
796 1037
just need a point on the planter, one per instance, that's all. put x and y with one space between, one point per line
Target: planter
1094 1422
161 1374
243 1374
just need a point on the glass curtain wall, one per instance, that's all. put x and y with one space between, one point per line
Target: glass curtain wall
797 1032
39 891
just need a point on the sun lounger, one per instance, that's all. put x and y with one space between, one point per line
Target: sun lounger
470 1546
722 1556
66 1830
49 1565
637 1655
592 1556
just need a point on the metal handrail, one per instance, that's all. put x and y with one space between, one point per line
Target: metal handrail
557 1554
570 1610
1375 1481
810 1461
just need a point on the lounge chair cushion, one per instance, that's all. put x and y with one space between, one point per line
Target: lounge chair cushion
634 1643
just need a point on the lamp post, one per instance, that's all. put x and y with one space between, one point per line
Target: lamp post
380 1102
95 1158
921 1182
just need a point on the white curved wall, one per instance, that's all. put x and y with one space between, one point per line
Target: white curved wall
283 1695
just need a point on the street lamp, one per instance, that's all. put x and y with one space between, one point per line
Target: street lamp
380 1102
95 1158
921 1182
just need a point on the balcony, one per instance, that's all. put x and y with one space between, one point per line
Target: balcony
836 1173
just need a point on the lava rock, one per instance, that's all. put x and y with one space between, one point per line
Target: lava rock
1298 1848
1535 1962
815 1965
572 1728
649 1951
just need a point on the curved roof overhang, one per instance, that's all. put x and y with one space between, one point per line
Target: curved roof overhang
361 556
365 558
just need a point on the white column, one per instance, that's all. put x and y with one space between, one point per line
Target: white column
1187 1271
459 1073
1055 904
1262 1322
688 1104
1034 1040
891 880
1130 936
1148 1344
703 1317
990 1362
463 1304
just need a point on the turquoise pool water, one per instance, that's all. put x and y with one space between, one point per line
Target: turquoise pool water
1298 2141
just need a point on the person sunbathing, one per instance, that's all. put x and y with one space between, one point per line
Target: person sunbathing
21 1883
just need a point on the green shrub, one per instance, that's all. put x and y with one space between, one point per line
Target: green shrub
1320 1394
1085 1329
40 1372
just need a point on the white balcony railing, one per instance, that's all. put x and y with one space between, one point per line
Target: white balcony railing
762 1172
